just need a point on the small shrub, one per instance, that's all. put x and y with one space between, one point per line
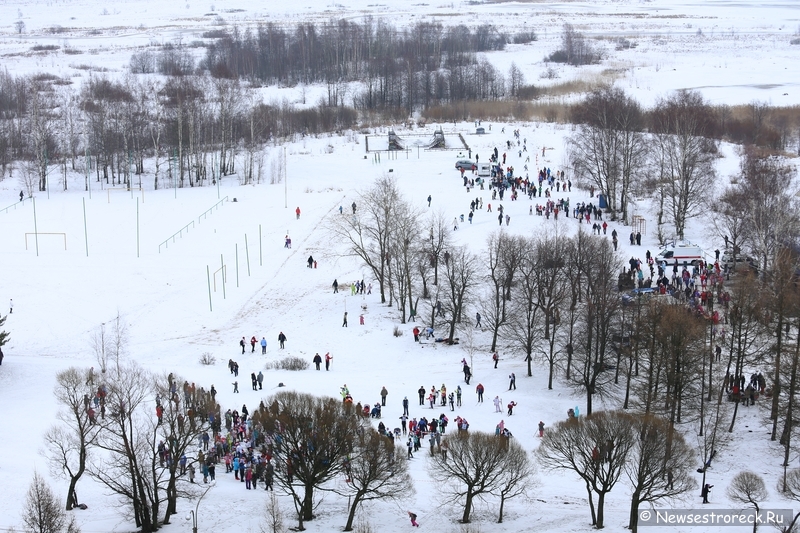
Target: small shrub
208 359
288 363
397 331
72 51
796 40
45 47
363 526
549 74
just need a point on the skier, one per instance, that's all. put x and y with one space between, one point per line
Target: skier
495 358
541 428
497 403
511 407
512 383
479 389
281 339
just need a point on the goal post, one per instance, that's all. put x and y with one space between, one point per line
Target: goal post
37 234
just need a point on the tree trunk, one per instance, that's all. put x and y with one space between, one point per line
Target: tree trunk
591 502
502 504
633 519
308 503
351 516
601 497
467 508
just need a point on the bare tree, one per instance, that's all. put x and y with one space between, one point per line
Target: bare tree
272 520
68 443
368 231
681 122
474 467
503 256
659 465
597 448
517 477
460 281
609 147
42 513
376 470
316 436
748 488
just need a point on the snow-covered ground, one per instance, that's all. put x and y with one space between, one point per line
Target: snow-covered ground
113 264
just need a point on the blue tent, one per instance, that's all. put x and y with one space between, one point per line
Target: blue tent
602 201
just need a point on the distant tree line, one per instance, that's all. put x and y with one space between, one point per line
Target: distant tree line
409 68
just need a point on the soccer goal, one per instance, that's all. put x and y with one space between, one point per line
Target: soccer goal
36 235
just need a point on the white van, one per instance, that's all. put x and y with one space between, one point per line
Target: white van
484 170
684 252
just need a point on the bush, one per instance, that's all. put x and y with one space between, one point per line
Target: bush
796 40
207 359
575 49
397 331
45 47
524 37
288 363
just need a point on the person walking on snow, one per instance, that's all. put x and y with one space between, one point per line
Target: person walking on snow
317 360
328 359
281 339
384 394
344 322
477 320
495 358
242 343
11 304
410 514
335 286
260 378
297 212
263 346
511 407
253 342
541 428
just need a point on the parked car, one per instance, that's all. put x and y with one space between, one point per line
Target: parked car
630 297
465 164
741 259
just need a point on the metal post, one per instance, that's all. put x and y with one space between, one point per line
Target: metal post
237 265
222 270
260 262
35 227
208 275
247 254
85 230
285 181
137 227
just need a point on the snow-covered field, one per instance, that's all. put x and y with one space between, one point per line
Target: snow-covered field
113 264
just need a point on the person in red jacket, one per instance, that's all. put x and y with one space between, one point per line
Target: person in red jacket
253 342
297 212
